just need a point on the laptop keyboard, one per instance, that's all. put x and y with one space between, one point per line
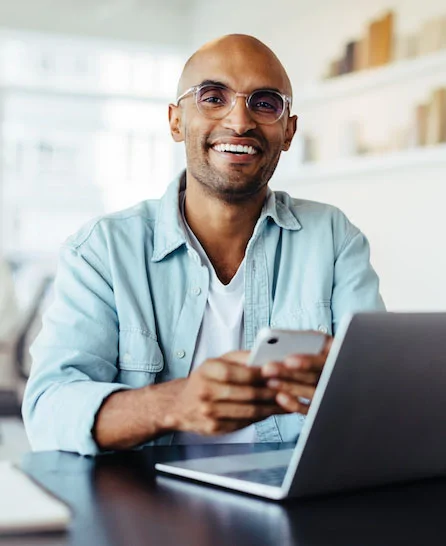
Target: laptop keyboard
266 476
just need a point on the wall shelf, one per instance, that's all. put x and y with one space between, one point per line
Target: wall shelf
343 169
367 80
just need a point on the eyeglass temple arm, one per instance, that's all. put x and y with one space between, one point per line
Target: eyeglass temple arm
186 93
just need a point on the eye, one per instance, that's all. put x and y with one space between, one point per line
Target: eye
265 105
212 96
266 102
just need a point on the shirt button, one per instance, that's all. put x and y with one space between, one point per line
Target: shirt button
127 358
196 291
181 354
323 329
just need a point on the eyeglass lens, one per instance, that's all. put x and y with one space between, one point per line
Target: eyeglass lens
216 101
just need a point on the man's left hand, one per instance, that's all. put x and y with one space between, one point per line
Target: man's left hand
295 379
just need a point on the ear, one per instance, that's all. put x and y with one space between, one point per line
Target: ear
289 132
175 123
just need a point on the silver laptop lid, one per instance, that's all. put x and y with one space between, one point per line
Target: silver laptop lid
378 413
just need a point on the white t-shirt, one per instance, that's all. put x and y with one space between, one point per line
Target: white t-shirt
221 331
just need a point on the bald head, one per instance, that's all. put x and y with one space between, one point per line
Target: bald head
235 54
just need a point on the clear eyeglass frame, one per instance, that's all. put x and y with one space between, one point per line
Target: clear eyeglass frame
194 90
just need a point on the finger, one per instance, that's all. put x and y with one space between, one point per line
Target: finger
224 371
279 371
238 357
313 363
291 404
328 344
316 362
292 389
231 410
213 390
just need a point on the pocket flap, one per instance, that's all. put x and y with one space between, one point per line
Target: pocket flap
139 352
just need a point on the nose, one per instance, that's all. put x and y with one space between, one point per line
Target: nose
239 118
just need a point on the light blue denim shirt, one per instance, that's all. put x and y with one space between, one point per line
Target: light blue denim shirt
130 295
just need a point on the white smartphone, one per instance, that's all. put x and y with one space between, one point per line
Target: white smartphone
275 345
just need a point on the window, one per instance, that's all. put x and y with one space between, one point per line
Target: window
84 131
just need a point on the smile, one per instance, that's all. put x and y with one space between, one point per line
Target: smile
235 149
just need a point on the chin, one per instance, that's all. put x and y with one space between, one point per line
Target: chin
234 192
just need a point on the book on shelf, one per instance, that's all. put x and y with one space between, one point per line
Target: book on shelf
388 24
380 36
436 120
421 116
373 38
342 66
333 69
443 33
350 57
361 54
432 36
405 47
380 45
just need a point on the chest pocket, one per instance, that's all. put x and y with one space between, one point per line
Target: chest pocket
140 359
317 316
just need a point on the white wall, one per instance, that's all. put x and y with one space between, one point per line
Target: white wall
401 214
400 211
164 23
305 35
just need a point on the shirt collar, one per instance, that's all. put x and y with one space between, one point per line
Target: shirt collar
169 230
277 208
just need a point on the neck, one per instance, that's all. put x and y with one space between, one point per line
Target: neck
222 228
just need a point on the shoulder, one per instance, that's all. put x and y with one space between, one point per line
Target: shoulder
125 225
314 213
320 223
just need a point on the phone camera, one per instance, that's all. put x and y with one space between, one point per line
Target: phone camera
273 340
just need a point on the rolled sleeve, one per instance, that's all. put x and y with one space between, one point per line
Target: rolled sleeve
74 356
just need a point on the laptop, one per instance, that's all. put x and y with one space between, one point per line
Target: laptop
377 416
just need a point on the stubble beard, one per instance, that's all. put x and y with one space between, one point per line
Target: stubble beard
234 188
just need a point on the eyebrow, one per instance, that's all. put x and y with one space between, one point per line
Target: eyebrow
213 82
222 84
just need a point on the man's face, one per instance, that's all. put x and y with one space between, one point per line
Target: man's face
233 176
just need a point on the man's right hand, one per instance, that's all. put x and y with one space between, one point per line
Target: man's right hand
221 396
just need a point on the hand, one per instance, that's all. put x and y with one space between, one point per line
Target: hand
296 378
221 396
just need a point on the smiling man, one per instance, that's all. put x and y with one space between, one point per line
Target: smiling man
156 306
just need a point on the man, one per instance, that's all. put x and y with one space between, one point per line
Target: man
148 299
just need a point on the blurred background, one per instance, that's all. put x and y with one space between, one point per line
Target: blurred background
84 88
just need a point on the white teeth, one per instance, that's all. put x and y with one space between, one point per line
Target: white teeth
235 148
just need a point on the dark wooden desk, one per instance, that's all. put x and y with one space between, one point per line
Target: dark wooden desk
118 501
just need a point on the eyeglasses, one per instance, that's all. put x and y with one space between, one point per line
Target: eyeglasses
266 106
